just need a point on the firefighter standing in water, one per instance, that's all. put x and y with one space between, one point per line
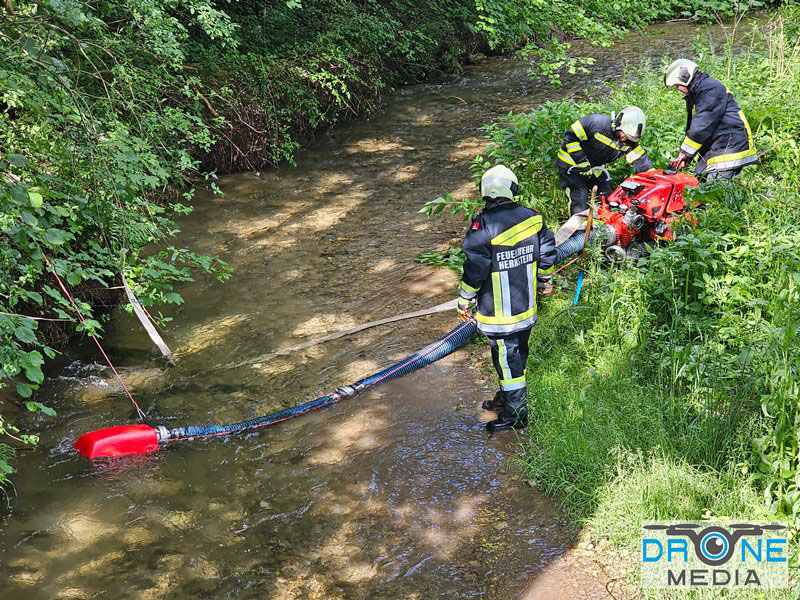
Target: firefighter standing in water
716 128
508 250
596 140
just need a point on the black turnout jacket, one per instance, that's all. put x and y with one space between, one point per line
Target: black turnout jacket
716 127
592 141
508 248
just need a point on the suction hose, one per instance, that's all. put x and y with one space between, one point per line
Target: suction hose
573 245
125 440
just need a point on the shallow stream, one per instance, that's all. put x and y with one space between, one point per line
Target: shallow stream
399 493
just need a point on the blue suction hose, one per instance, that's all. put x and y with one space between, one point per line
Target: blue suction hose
439 349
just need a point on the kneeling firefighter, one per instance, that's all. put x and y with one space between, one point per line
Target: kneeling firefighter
596 140
509 251
716 128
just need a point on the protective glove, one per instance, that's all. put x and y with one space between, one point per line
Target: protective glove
599 172
680 162
584 168
465 308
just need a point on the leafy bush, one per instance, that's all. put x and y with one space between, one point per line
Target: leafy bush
96 121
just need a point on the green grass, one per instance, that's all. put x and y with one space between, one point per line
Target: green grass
674 391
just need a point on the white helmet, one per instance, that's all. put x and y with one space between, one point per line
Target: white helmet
499 182
631 121
680 72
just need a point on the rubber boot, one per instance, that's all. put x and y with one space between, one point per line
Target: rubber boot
495 404
508 421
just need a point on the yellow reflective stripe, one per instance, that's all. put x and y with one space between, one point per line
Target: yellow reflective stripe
513 383
607 141
497 294
468 288
634 154
506 320
736 156
573 147
566 157
547 271
502 358
747 127
519 232
687 141
731 157
577 128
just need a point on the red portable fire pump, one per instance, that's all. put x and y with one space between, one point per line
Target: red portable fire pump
643 210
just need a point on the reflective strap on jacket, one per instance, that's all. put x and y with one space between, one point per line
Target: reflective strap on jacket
466 290
506 320
689 146
634 154
605 140
531 273
504 328
724 162
497 295
512 236
579 131
566 158
747 129
573 147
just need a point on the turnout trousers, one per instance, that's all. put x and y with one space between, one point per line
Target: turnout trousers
577 188
509 356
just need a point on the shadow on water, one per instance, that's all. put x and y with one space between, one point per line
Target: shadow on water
396 494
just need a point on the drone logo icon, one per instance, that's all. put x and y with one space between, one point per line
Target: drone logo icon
700 553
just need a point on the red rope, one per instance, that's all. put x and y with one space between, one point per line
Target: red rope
142 416
562 267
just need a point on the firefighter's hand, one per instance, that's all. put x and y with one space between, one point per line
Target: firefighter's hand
584 168
600 173
465 309
679 163
544 287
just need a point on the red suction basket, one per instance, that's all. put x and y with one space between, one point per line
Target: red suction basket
121 440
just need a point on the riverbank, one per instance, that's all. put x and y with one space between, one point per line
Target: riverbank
116 112
672 392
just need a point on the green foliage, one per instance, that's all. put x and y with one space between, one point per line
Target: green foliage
298 70
97 120
684 370
452 258
541 27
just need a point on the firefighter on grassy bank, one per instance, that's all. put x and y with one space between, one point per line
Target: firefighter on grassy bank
596 140
509 251
716 128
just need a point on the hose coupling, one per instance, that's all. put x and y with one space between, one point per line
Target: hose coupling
346 391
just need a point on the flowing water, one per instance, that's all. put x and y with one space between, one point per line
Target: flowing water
399 493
